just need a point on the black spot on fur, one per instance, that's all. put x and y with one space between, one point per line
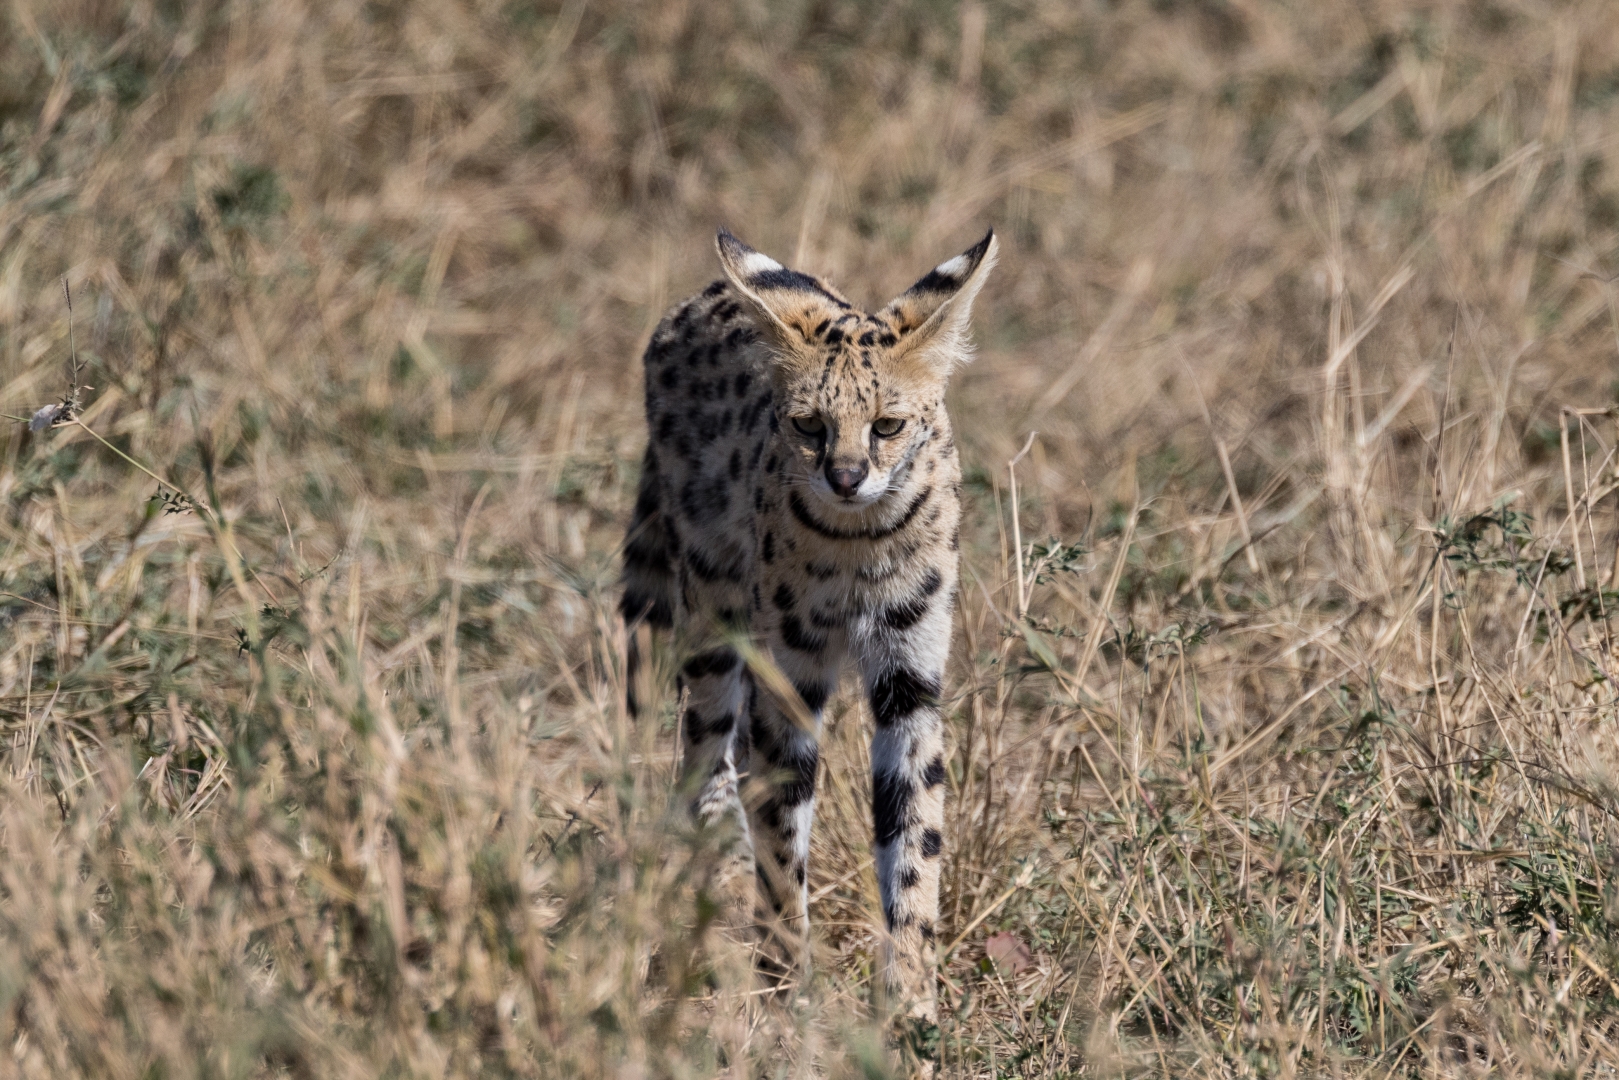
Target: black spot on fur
792 773
814 694
763 877
806 519
736 464
879 572
654 610
699 730
934 776
799 874
820 571
761 407
796 637
720 661
686 448
932 843
890 806
715 289
925 928
827 620
798 786
763 735
783 597
905 615
909 878
767 548
706 569
901 692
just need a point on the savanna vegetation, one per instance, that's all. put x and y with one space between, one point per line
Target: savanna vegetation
1283 710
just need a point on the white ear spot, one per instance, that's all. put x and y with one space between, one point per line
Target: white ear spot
757 262
953 267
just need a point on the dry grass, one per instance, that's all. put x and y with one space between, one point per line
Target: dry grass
326 773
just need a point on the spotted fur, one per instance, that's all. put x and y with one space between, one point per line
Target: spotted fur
778 501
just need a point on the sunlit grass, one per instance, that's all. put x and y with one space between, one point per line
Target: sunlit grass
1281 708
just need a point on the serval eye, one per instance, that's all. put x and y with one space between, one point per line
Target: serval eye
809 425
888 426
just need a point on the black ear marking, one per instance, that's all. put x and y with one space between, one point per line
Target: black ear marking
760 276
949 276
938 306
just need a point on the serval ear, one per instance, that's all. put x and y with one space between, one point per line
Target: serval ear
932 316
791 309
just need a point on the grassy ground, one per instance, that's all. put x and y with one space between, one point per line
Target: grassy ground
1282 714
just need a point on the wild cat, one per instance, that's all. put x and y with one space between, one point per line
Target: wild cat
801 490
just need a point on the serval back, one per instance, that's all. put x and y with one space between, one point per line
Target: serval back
801 490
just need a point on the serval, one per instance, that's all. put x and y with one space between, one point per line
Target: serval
800 501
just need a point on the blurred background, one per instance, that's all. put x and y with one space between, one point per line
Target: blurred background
316 764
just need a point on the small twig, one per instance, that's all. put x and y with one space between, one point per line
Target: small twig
1236 504
166 483
1093 640
1017 531
1568 492
573 816
72 348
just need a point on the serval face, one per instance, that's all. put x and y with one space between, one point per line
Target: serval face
858 396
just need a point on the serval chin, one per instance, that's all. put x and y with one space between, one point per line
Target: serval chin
801 496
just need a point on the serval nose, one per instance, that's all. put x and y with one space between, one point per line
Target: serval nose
846 481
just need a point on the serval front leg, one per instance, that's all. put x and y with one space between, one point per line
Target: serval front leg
713 691
782 766
902 657
714 688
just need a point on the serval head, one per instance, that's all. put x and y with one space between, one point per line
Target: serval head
859 397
